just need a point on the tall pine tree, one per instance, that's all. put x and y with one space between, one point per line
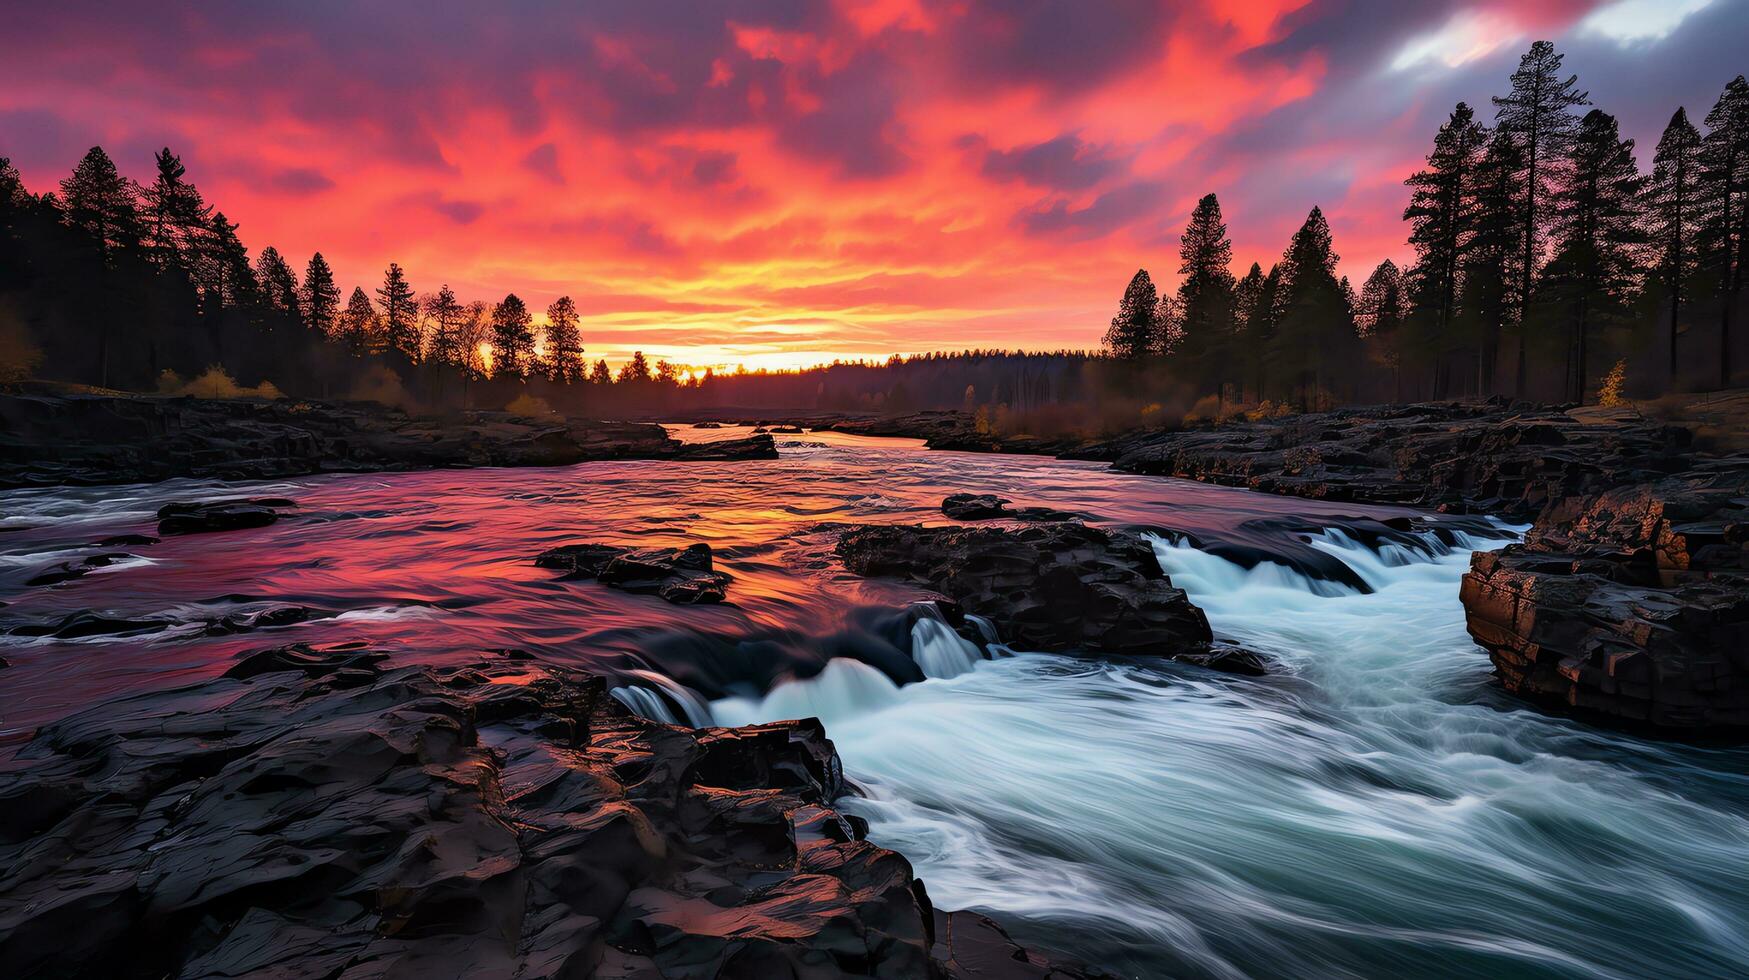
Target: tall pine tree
1316 327
1205 295
400 319
1724 237
1675 200
1537 115
512 338
1133 327
320 297
1440 213
564 341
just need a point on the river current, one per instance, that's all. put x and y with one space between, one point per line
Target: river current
1373 807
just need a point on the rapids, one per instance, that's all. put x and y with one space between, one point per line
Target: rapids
1373 807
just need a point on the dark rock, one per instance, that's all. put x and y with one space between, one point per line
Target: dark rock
1631 604
490 820
752 447
51 437
679 575
707 425
220 515
83 624
975 506
67 571
1060 587
786 430
1489 458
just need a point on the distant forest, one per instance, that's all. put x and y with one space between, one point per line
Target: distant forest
1548 266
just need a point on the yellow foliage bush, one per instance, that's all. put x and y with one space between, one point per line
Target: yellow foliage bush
1610 394
215 382
527 404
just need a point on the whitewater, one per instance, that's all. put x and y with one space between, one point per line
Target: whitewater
1373 807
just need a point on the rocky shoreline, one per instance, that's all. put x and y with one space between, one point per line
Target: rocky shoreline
53 438
318 813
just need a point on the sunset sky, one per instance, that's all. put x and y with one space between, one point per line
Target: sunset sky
780 183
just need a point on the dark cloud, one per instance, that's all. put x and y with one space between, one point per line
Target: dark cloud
460 212
1114 209
1063 163
855 130
544 161
300 181
1064 45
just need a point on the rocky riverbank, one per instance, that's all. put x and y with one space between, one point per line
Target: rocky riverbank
319 813
50 438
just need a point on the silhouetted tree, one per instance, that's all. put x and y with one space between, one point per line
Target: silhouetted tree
1674 198
564 342
176 217
1316 329
1168 327
1379 315
1724 237
1133 327
446 324
278 283
358 324
1205 294
100 202
1537 116
1488 296
321 298
400 319
512 338
636 370
1440 214
599 374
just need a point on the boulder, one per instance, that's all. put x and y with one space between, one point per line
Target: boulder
1059 587
203 517
988 506
314 814
679 575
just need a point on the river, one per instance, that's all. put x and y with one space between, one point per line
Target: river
1373 807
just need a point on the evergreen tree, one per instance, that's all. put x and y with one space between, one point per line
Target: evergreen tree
599 374
176 218
1206 293
636 370
512 338
446 327
667 375
321 298
1724 236
1488 299
1674 198
1440 213
1596 234
358 324
13 196
400 319
564 341
1168 328
1133 327
100 202
1316 327
1247 301
277 282
1379 314
231 280
1537 116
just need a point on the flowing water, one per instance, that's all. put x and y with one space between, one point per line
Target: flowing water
1373 807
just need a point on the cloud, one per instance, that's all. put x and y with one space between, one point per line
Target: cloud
1062 162
300 181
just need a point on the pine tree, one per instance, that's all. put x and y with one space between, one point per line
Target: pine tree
176 217
1537 116
1674 198
1596 234
564 342
600 374
1247 298
446 327
1487 299
1205 293
1133 326
1316 328
13 196
512 338
1724 238
1441 211
400 319
1379 314
321 298
1168 328
100 202
358 324
231 280
635 370
277 282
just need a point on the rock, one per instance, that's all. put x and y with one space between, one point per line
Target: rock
1629 605
1060 587
752 447
707 425
1489 458
127 541
988 506
67 571
335 818
51 437
786 430
974 506
679 575
220 515
82 624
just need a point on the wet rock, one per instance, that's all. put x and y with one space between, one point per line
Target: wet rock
988 506
83 624
707 425
335 818
679 575
1490 458
786 430
67 571
1059 587
52 437
752 447
204 517
1630 605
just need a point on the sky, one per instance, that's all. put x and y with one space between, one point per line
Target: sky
777 182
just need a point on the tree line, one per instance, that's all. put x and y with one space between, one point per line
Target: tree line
1543 255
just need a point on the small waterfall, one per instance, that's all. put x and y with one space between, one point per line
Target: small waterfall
660 701
846 688
939 651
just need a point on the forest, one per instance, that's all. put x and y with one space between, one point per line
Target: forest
1549 265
